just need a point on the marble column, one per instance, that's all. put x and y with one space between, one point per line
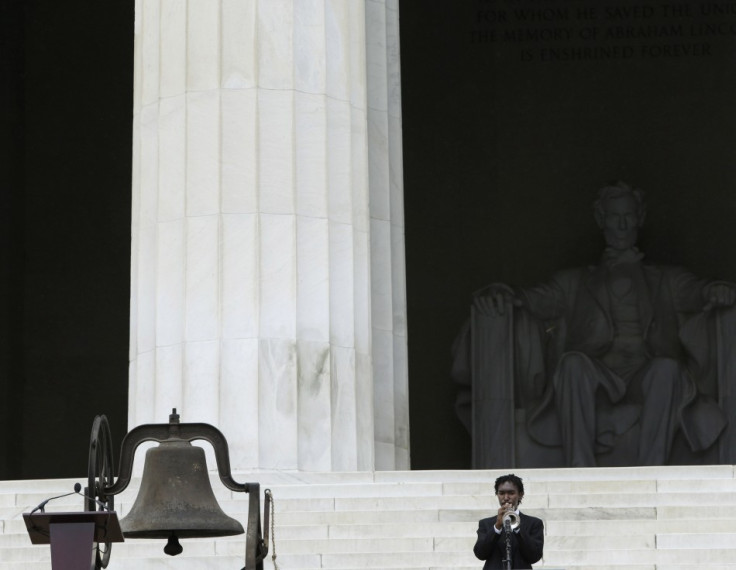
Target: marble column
267 281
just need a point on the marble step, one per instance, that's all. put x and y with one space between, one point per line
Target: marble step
461 540
638 481
638 518
561 479
558 522
454 494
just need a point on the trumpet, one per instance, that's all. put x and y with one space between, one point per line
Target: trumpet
510 520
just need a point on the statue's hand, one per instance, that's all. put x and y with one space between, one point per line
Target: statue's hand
493 300
720 294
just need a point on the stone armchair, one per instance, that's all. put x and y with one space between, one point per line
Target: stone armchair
502 365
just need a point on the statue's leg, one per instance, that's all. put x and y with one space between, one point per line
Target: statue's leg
576 381
661 392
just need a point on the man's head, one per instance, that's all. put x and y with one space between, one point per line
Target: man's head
620 212
509 489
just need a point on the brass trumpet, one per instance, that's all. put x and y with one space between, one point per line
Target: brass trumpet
510 520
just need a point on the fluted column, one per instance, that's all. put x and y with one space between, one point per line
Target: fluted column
267 233
388 285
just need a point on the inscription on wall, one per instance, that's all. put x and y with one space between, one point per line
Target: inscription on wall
546 31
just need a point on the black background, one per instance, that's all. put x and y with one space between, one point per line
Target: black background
502 159
67 72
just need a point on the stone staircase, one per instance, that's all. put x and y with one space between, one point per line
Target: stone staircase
642 518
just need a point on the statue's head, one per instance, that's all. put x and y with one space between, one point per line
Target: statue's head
620 212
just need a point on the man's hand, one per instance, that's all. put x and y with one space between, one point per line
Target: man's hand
720 294
493 300
502 510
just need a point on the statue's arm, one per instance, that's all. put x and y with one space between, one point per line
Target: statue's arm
495 300
548 301
544 301
692 294
719 294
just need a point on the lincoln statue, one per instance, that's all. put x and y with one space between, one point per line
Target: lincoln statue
625 333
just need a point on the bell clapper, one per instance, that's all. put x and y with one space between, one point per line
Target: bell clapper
173 547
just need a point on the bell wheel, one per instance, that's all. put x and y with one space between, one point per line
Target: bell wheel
100 476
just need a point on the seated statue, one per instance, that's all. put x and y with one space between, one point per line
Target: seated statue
608 346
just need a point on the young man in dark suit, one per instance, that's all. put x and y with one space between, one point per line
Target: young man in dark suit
526 539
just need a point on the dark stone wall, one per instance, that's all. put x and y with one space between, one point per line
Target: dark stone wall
11 262
509 132
65 241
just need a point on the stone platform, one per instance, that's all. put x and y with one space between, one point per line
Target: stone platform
642 518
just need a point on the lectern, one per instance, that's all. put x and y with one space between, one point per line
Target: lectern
72 535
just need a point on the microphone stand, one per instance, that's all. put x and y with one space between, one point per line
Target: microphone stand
507 532
42 505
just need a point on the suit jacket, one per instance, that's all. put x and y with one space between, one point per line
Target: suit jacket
526 545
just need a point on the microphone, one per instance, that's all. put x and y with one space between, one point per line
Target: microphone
42 504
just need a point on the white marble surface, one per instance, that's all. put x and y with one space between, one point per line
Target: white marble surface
203 54
239 400
277 272
238 65
386 213
277 404
267 248
427 520
275 47
239 276
171 47
314 404
202 153
311 154
313 279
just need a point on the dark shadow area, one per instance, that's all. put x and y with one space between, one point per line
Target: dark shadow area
508 134
65 243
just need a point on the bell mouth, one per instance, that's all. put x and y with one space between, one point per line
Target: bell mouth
184 523
182 533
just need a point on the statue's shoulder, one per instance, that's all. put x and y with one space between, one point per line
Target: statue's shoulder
567 281
663 268
665 271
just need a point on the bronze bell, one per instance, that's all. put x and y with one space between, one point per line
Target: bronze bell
176 498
